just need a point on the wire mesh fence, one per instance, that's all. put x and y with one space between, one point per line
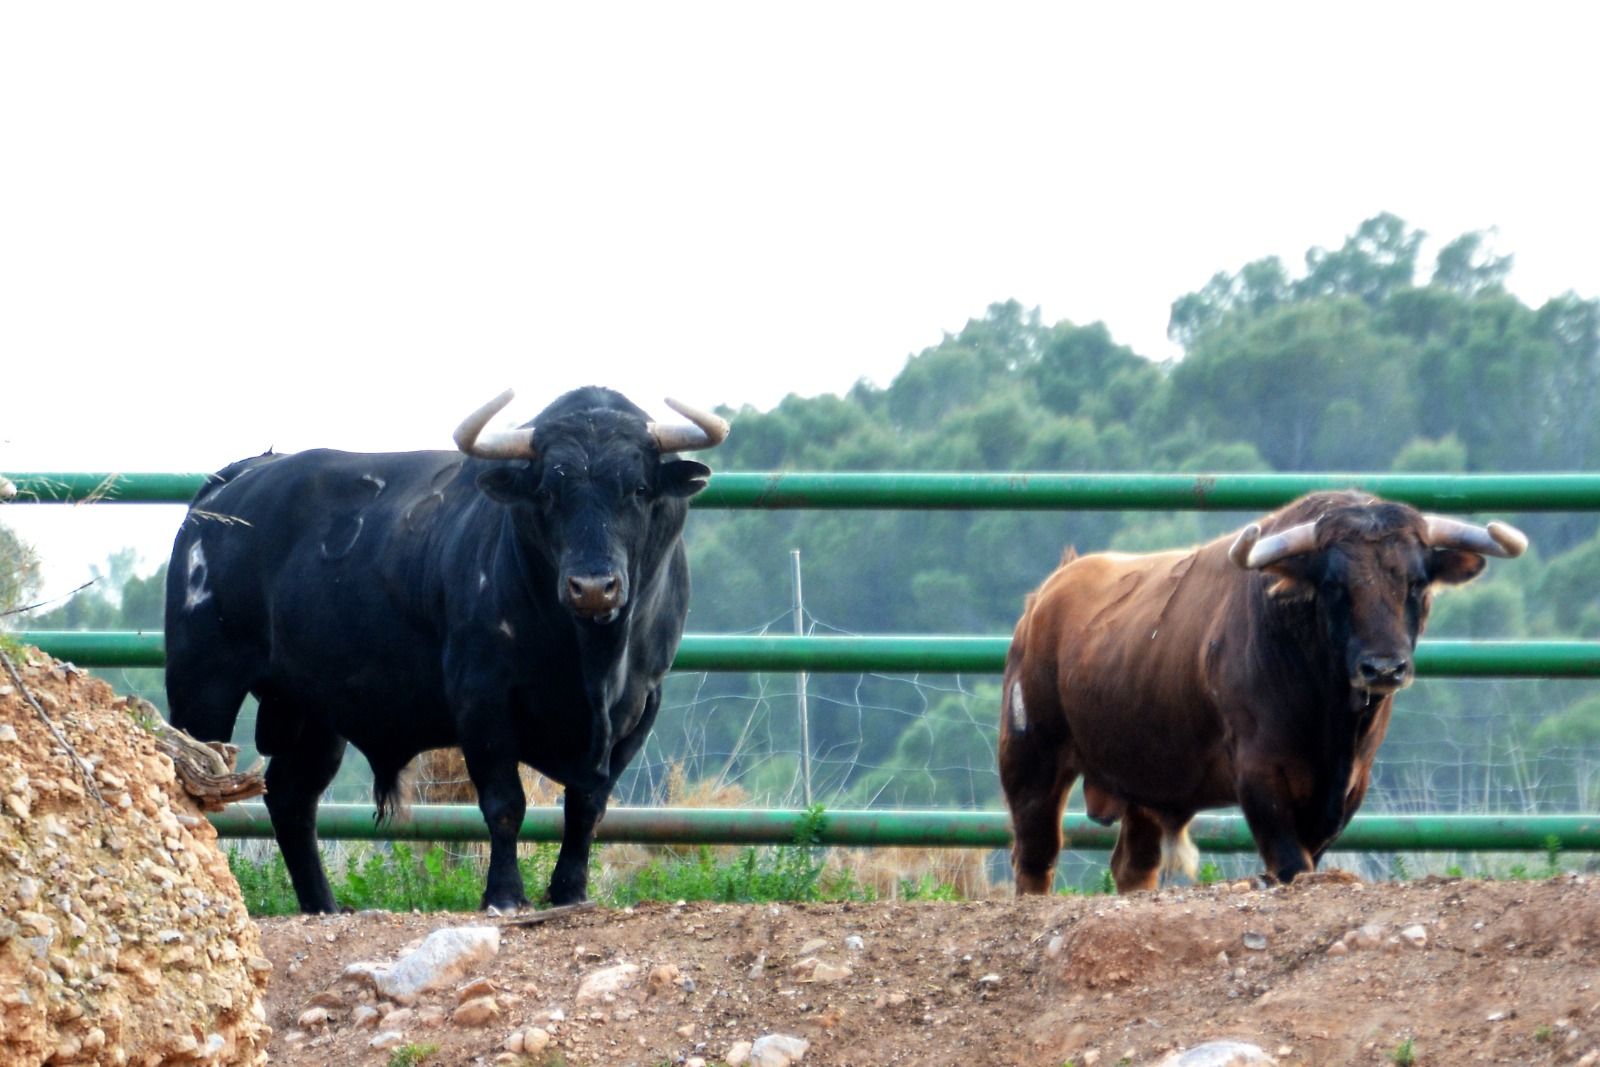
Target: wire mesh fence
882 740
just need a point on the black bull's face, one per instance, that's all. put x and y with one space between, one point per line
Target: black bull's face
594 505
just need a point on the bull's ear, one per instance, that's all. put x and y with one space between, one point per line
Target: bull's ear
1452 566
1296 577
682 478
504 482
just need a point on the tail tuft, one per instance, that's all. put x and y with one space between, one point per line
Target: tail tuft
1178 854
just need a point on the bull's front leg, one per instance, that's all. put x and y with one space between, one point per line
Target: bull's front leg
569 882
1271 818
493 769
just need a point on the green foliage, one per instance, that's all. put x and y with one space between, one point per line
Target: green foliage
927 888
395 878
19 571
411 1055
1404 1054
1209 873
387 878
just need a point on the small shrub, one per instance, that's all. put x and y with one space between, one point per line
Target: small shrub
411 1055
1404 1054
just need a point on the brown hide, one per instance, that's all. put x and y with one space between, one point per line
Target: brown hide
1177 681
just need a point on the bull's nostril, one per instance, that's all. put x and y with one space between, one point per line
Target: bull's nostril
1389 669
611 586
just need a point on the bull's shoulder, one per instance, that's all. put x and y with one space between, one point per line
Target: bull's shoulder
1108 569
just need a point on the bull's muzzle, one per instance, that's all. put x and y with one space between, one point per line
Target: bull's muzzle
1382 674
594 597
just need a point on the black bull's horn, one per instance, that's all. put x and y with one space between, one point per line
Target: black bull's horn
1251 551
707 431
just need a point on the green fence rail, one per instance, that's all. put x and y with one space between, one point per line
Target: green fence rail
943 654
900 655
1008 492
926 829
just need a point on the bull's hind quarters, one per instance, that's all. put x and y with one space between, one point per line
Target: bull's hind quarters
521 597
1257 669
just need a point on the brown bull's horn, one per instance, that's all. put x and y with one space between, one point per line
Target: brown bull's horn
1252 552
1496 539
497 444
708 430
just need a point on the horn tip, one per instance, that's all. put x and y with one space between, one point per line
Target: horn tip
1239 552
1508 537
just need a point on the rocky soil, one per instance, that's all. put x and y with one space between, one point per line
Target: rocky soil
1323 973
121 941
123 938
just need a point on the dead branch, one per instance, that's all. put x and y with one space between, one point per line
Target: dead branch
205 768
55 731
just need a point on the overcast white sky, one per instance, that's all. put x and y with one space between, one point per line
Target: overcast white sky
225 227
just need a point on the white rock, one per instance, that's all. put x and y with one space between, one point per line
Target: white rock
1219 1054
479 1011
604 985
442 958
738 1054
387 1039
854 943
399 1019
312 1018
777 1050
1415 935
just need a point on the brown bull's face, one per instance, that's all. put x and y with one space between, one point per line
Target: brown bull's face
1371 585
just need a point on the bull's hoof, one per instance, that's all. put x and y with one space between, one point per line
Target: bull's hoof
504 902
1331 876
557 898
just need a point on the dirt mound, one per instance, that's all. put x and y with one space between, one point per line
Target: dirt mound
1328 973
123 938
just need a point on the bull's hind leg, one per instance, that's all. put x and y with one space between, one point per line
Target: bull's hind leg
301 767
1036 776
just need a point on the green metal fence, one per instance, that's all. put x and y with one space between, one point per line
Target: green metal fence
947 654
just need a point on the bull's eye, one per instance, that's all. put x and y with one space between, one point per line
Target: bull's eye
641 490
543 497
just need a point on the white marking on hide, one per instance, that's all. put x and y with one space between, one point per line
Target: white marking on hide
483 581
505 628
377 482
1019 713
196 592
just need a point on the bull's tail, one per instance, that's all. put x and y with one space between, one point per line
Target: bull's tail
1178 854
391 790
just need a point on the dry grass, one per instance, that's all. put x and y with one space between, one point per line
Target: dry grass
440 777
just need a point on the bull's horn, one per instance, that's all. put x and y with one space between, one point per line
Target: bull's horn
1496 539
1252 552
708 430
497 444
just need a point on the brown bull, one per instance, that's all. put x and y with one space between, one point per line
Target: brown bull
1257 670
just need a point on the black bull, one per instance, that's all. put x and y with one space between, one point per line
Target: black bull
522 598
